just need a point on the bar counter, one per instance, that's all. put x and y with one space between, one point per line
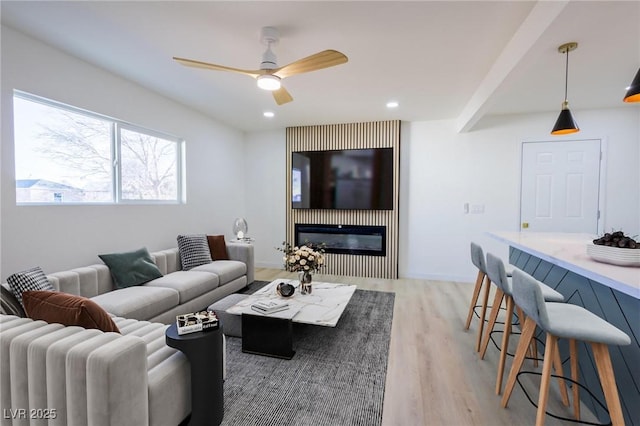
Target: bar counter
612 292
570 252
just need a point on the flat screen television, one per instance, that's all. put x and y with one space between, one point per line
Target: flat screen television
356 179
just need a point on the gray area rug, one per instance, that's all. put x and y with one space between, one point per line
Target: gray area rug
336 377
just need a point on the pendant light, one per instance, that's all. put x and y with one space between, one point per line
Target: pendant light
565 123
633 93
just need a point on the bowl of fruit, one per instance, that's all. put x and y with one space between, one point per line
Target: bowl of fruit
615 248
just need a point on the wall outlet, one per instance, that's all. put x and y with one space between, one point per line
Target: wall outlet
477 209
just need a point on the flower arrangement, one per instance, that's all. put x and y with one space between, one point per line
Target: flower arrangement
306 258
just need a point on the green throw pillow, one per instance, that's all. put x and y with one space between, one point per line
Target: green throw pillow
131 268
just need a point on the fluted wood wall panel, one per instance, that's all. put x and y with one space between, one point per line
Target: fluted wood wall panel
381 134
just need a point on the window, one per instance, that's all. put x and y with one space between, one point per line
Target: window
64 155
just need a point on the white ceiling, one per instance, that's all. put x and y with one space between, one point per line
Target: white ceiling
439 60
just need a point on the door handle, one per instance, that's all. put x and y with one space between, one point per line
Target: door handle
525 225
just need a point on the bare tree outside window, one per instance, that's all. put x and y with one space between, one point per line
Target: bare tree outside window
149 167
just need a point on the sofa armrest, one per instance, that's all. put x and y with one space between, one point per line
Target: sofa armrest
117 383
244 253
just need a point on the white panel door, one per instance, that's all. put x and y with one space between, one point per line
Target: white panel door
560 186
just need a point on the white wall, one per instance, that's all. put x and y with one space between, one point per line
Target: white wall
441 170
61 237
446 170
265 177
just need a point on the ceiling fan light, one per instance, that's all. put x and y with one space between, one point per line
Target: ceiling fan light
565 124
633 93
268 82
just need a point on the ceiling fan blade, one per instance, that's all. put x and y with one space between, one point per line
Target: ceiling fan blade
318 61
281 96
206 65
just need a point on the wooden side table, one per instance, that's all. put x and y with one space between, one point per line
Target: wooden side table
203 349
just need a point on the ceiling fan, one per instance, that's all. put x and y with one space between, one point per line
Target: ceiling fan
269 75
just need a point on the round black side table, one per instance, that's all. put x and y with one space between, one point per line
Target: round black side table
203 349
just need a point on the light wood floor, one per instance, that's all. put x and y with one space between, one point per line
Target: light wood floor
434 375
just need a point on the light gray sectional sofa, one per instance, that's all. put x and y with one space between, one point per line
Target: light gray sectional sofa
160 300
89 377
79 377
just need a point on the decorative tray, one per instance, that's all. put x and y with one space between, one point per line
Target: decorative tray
614 255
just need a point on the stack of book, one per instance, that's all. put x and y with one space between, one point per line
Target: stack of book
196 321
270 306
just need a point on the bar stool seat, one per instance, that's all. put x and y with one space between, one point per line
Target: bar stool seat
568 321
560 320
497 274
508 268
549 294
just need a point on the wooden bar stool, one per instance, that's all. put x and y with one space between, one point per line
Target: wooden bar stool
498 275
566 321
477 258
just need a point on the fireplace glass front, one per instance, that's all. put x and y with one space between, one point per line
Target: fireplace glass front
344 239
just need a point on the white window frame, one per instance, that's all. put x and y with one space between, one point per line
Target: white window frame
116 180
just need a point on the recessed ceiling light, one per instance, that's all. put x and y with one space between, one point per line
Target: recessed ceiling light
268 114
392 104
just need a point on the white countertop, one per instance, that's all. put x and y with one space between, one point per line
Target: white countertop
570 252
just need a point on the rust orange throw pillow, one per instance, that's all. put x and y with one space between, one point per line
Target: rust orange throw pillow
67 309
218 247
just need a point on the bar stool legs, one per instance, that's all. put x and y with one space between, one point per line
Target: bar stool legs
483 312
608 382
528 330
493 316
551 360
481 280
543 397
505 344
474 298
573 353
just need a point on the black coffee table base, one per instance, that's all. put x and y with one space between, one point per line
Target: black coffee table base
268 336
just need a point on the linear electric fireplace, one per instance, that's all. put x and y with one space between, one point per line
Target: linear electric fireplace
344 239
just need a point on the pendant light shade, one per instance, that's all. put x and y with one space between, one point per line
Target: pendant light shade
565 124
633 94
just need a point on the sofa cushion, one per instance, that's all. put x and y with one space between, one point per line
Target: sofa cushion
188 284
194 250
131 268
226 270
9 305
67 309
31 279
218 247
139 302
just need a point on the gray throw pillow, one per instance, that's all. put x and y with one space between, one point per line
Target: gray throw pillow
9 305
194 251
132 268
30 280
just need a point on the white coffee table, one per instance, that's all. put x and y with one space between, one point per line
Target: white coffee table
271 334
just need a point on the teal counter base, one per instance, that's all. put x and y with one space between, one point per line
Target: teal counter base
619 309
